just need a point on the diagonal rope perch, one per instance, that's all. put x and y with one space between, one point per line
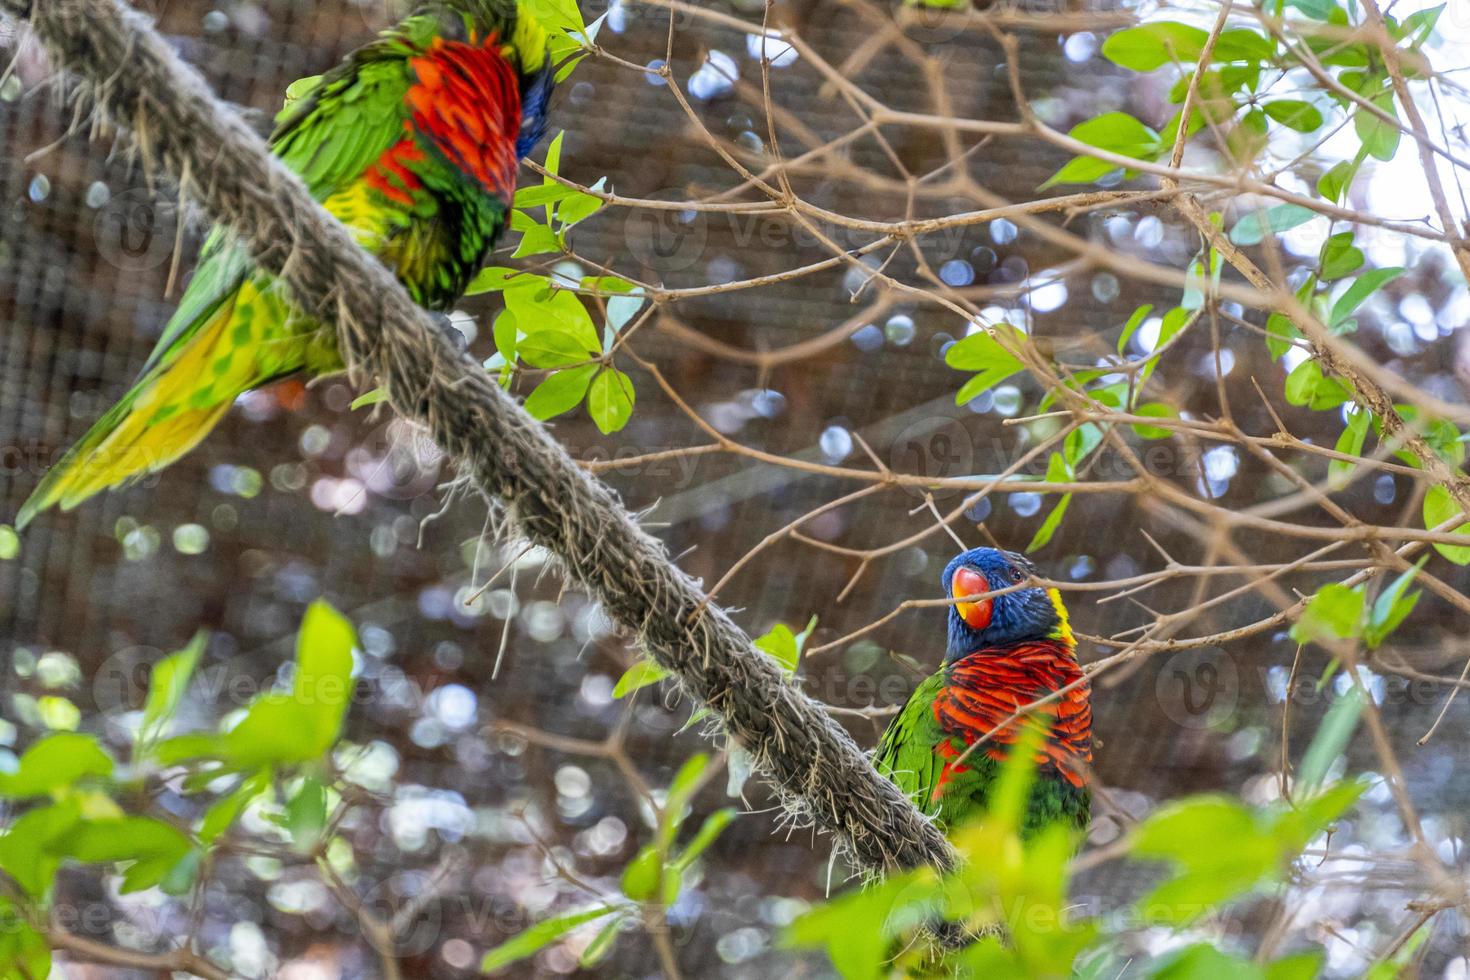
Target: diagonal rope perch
125 69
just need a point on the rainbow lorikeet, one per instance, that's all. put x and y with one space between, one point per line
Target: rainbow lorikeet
1005 652
412 141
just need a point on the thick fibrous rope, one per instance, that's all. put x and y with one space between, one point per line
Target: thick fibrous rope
129 72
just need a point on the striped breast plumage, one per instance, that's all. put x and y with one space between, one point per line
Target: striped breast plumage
435 200
981 691
466 102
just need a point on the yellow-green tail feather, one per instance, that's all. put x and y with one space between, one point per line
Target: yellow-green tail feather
159 420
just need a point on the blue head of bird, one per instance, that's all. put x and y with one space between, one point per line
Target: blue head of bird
1024 613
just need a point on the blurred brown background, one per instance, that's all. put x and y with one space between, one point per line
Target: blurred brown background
295 497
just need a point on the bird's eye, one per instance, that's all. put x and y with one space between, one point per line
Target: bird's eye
1017 575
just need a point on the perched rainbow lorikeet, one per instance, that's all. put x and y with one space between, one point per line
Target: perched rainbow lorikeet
1005 652
412 141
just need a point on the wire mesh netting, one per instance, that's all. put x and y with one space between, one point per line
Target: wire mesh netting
489 801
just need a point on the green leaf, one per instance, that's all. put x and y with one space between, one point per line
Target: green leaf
495 278
167 683
855 927
1280 332
602 944
56 762
1174 830
506 331
641 674
1148 47
540 195
610 400
1360 289
578 207
1239 44
558 16
1418 26
24 952
681 791
565 70
561 392
1080 170
1170 132
1058 470
553 349
1380 139
536 240
1339 257
1335 611
1203 961
784 646
1188 833
1131 327
1392 606
1049 526
306 814
1295 114
982 352
1331 739
644 874
152 847
1298 966
1442 435
323 681
608 284
621 309
538 937
1249 136
374 397
559 311
714 825
27 851
1336 180
553 149
1156 410
286 728
1078 445
1339 471
1440 507
223 813
1252 228
1315 9
1306 385
1115 132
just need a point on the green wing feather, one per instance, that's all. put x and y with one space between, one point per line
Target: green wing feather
347 119
233 329
328 135
906 754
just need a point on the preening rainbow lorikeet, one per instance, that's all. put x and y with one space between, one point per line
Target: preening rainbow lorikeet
413 141
1004 653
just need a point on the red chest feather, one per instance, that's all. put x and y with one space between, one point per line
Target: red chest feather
467 102
986 688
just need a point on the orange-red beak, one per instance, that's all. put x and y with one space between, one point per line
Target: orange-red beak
968 582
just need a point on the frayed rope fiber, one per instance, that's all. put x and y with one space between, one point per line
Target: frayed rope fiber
125 69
